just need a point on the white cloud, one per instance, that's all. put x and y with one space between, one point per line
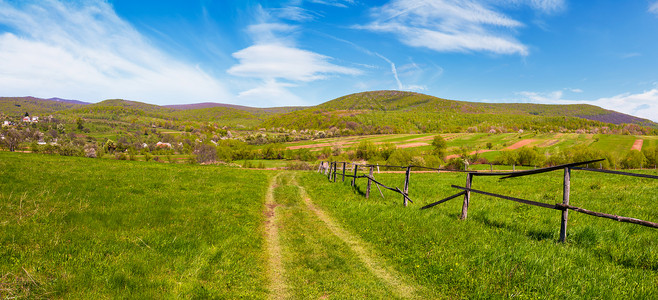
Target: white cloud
454 25
447 26
85 51
653 7
643 105
270 93
271 61
294 13
278 63
337 3
543 6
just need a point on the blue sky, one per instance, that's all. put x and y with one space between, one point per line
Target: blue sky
305 52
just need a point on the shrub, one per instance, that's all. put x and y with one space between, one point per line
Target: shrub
298 165
365 150
400 157
205 153
634 160
455 163
439 145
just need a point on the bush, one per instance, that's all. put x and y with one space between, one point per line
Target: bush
433 161
400 157
205 153
298 165
455 163
634 160
365 150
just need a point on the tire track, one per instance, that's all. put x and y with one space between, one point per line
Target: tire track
275 272
374 265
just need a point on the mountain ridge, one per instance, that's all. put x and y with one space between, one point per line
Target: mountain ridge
385 108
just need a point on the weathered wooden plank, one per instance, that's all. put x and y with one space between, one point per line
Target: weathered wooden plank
344 171
618 173
335 167
552 206
443 200
549 169
369 184
609 216
565 201
532 172
406 197
467 196
406 186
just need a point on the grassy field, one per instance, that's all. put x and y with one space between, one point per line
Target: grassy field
506 249
93 228
617 145
90 228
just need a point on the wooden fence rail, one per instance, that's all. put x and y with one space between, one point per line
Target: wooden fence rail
330 168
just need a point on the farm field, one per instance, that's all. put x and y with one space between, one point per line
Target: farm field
83 228
616 144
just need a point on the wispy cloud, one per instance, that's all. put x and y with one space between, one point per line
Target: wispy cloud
653 7
337 3
83 50
447 26
275 59
454 25
644 104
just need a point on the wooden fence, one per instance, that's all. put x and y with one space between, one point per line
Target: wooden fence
330 170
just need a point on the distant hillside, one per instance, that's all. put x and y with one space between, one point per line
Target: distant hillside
206 105
396 111
18 106
361 113
68 101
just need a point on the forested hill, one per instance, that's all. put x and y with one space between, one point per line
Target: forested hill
361 113
396 111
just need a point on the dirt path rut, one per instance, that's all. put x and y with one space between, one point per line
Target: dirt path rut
275 266
374 265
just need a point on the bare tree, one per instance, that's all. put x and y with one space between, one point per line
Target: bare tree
12 138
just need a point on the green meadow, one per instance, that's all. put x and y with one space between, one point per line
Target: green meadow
90 228
95 228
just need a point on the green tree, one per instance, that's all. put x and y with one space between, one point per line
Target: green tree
439 146
365 150
634 160
80 123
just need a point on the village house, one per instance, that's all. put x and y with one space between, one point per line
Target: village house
163 145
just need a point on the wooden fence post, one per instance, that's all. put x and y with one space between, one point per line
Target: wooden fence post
329 164
344 171
406 186
565 201
354 178
369 183
467 196
335 166
320 167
